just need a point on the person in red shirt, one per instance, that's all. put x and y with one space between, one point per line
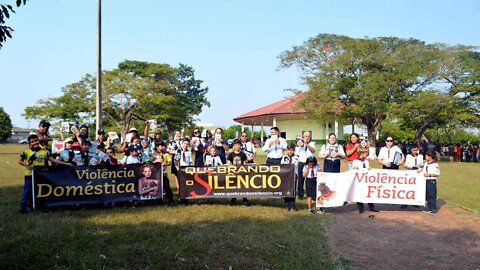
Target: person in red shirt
351 149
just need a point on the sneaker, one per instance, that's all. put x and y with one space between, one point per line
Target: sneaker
310 211
427 211
320 211
433 212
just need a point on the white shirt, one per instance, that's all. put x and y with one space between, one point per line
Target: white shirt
275 150
411 161
360 164
332 151
248 148
311 172
213 161
304 152
387 154
432 168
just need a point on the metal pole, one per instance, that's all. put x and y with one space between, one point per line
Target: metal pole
98 112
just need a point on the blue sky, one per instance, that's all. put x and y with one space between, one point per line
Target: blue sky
232 45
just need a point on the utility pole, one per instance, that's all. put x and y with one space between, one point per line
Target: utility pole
98 112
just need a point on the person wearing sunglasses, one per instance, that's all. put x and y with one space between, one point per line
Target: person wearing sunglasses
390 156
197 147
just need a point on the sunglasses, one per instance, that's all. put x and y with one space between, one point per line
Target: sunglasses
389 140
196 131
244 136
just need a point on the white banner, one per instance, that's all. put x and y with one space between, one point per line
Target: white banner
370 186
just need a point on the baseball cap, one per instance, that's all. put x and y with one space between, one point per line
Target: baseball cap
101 132
69 140
44 123
132 129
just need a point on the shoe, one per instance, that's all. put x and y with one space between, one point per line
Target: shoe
310 211
427 211
374 210
433 213
361 211
403 206
320 211
416 206
232 203
247 204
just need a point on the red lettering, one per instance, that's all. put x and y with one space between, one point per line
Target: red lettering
203 183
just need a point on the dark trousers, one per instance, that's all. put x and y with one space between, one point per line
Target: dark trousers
167 188
27 193
392 167
361 206
431 194
290 201
301 180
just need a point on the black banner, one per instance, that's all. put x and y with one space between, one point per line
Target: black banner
64 185
250 180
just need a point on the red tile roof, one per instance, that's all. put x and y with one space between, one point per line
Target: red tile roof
286 106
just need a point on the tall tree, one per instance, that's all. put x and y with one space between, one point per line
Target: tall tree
362 78
182 95
5 125
75 103
134 92
5 10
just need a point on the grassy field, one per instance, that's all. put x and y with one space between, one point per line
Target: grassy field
209 235
206 235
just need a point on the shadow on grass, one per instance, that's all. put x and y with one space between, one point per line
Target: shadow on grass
196 237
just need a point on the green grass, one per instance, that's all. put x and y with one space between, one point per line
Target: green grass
207 235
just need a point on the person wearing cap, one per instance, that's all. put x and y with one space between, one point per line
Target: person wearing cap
132 134
42 133
100 136
132 157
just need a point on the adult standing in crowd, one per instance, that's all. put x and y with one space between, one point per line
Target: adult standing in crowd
197 147
387 155
331 152
247 147
220 145
274 147
173 148
306 148
352 149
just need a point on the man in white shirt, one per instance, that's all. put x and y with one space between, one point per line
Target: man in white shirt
274 147
390 156
306 148
247 147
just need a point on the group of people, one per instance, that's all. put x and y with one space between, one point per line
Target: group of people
205 149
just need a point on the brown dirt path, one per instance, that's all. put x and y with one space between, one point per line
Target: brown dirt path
405 238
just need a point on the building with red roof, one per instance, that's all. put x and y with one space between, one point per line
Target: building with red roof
290 119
